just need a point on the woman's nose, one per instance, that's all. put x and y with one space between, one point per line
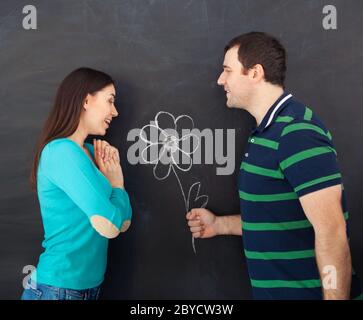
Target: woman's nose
114 112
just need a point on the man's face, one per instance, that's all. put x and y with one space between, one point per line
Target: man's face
236 84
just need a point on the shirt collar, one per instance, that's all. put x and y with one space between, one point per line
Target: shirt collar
273 112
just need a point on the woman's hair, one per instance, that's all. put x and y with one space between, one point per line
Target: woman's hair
65 115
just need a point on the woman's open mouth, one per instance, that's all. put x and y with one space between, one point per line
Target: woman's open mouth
108 122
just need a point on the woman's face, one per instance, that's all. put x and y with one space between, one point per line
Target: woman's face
99 110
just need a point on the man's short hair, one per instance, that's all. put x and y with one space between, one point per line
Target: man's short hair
264 49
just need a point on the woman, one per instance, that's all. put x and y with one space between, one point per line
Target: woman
80 188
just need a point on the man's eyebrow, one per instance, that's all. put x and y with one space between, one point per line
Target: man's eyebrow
112 94
226 67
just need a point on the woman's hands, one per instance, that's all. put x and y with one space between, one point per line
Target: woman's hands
108 161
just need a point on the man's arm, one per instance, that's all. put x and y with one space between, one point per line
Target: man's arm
205 224
324 211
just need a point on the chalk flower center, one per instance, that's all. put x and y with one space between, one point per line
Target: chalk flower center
171 144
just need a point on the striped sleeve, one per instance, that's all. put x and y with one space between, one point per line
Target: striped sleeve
307 157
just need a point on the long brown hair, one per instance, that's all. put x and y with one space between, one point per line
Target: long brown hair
65 115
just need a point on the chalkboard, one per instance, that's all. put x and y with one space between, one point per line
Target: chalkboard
166 56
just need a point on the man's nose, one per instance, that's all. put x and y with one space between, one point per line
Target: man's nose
220 80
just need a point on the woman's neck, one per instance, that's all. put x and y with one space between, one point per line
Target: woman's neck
78 137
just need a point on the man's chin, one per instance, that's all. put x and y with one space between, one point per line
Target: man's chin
233 106
230 105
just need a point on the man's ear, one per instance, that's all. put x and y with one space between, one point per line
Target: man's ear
257 72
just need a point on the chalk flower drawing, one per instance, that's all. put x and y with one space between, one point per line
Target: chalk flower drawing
166 160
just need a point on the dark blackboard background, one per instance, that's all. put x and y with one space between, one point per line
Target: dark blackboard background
166 55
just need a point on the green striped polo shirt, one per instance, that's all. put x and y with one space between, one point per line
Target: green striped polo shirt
288 155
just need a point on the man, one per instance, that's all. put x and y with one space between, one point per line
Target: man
291 194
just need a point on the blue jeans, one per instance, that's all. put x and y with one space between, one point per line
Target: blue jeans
39 291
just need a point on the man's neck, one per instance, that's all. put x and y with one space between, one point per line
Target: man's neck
263 101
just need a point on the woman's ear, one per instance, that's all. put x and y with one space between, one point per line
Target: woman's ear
85 103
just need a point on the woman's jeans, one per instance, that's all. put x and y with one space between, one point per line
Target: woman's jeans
39 291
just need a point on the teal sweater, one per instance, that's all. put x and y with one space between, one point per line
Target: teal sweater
71 190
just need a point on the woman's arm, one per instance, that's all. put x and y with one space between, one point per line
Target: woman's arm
64 164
